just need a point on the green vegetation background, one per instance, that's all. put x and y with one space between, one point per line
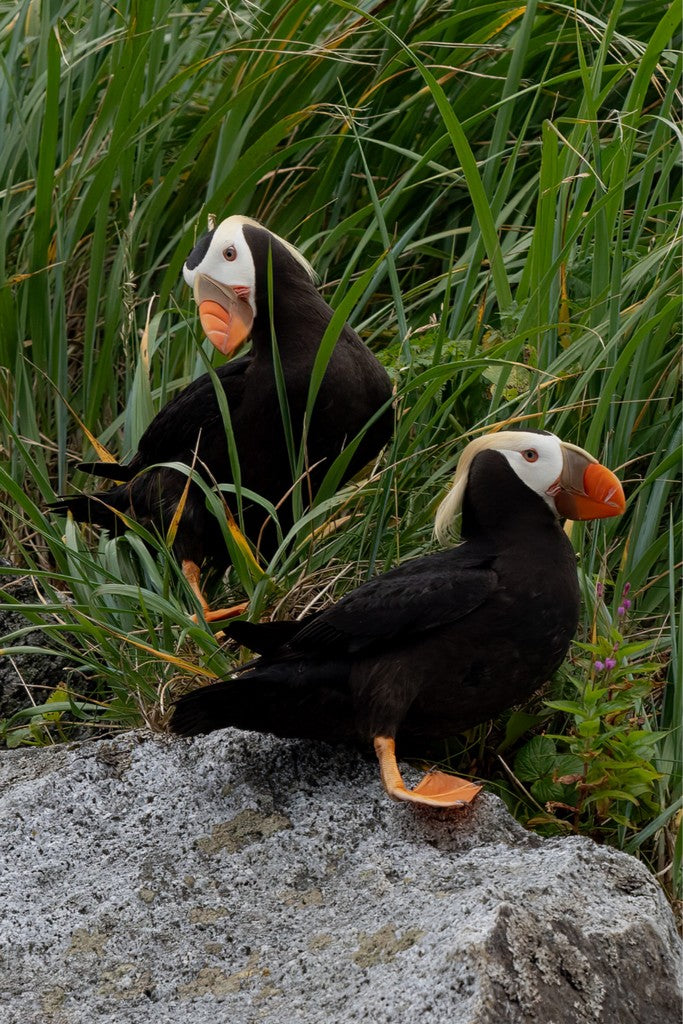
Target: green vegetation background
491 194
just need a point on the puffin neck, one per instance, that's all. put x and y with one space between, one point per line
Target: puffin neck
497 502
296 310
298 316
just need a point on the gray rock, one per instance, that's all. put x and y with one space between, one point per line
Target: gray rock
239 878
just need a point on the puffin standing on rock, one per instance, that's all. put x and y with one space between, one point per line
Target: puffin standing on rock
439 643
247 281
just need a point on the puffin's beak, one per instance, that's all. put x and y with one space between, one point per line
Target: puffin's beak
585 489
226 318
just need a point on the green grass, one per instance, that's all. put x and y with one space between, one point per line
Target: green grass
490 194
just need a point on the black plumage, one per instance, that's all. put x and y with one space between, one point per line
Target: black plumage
432 647
190 428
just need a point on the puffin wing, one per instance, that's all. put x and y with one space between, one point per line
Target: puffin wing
406 602
194 411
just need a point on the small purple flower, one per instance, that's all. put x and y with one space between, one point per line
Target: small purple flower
599 589
610 663
626 603
599 666
627 587
621 611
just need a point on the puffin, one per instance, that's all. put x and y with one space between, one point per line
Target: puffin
443 641
248 283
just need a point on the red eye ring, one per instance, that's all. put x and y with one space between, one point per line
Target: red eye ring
530 455
230 253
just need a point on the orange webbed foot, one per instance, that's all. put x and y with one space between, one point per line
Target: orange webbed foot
191 574
436 789
223 613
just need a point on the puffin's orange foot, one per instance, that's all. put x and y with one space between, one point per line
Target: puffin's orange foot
223 613
436 789
442 790
191 574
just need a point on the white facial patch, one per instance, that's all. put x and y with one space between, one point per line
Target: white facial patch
539 474
229 261
537 461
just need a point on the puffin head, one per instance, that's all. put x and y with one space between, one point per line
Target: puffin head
226 271
573 484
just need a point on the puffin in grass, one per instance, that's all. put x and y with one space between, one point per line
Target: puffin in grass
441 642
248 283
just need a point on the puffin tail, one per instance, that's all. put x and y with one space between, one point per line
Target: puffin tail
98 509
283 698
248 702
203 710
107 471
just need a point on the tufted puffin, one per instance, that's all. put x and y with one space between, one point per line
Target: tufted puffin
247 281
442 642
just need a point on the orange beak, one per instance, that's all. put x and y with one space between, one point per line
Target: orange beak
226 318
585 489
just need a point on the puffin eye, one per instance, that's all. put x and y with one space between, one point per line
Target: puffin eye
230 253
530 454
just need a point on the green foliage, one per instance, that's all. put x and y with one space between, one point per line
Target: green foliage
609 758
605 772
31 726
490 194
